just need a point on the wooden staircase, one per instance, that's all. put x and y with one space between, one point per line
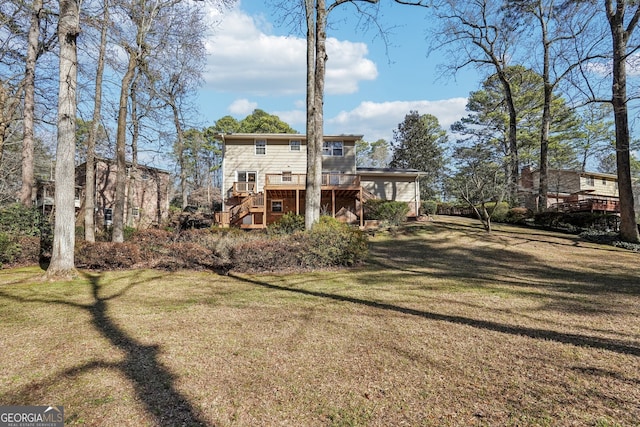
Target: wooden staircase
250 204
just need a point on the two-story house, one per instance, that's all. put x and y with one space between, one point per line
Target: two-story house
264 177
572 191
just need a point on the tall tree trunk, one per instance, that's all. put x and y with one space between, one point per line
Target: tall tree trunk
121 139
180 153
90 176
620 37
514 160
543 189
62 257
29 105
8 106
316 58
133 171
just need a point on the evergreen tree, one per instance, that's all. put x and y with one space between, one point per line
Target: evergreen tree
419 144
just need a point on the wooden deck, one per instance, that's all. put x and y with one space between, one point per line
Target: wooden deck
290 187
588 205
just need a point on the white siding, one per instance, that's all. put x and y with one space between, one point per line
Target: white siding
346 163
601 186
240 155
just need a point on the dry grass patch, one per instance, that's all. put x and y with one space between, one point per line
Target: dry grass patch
445 325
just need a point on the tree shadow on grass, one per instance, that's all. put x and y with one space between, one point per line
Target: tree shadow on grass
536 333
495 258
154 384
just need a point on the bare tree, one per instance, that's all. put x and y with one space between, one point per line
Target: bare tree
181 51
90 178
142 15
9 105
477 33
62 257
316 13
144 19
622 27
559 24
29 103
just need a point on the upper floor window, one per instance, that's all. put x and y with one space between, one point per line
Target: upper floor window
294 145
332 148
604 181
261 147
590 181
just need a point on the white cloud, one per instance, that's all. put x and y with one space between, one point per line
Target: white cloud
377 120
605 68
243 56
242 107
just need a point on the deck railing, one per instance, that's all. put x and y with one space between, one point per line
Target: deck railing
300 179
588 205
244 187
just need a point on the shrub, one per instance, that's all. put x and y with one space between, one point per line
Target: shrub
331 243
518 215
9 249
429 207
184 255
288 224
17 219
387 211
275 254
107 255
500 213
576 221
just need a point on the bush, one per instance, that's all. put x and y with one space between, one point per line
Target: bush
576 221
429 207
107 255
518 215
500 213
387 211
289 223
275 254
331 243
17 219
185 255
9 249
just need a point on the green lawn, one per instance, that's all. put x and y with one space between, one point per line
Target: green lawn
445 325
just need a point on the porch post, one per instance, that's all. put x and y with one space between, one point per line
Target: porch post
333 202
264 209
361 209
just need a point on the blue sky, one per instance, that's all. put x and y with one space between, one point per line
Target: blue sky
256 62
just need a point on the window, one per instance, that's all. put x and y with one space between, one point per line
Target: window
294 145
135 212
590 181
261 147
286 176
246 182
246 176
332 148
604 181
276 206
108 216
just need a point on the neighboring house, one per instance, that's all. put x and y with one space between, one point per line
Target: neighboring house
572 191
146 187
264 177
